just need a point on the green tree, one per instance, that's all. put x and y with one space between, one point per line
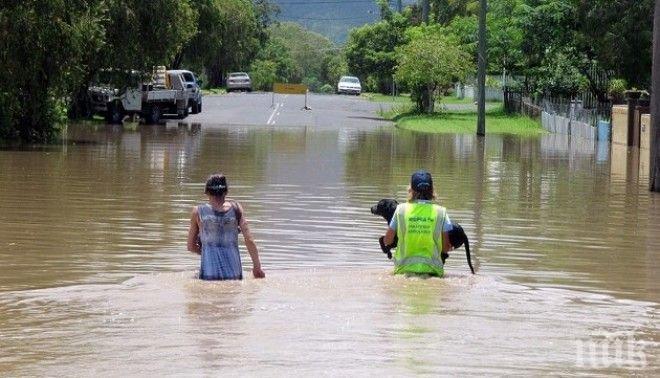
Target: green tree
286 69
305 48
617 35
334 67
370 50
134 39
444 11
431 61
44 49
559 74
143 34
505 36
263 74
227 38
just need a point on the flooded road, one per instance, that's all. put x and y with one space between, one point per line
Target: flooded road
95 278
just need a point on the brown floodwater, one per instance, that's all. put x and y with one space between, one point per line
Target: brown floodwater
95 278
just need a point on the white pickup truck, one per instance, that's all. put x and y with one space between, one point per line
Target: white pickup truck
149 100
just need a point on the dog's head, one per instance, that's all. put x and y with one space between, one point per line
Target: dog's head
385 208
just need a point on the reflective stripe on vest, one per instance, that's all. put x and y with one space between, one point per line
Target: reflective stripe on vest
418 241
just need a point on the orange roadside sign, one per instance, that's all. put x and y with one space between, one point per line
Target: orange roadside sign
289 88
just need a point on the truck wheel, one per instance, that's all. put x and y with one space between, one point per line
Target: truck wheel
115 114
153 115
196 107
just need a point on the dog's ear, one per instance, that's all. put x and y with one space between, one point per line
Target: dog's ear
393 204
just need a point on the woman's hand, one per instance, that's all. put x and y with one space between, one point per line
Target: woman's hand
258 273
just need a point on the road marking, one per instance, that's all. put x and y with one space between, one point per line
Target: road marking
272 115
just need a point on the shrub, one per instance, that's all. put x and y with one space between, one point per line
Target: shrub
616 90
327 88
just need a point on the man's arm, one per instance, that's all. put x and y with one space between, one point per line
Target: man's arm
446 227
194 245
251 245
391 230
446 245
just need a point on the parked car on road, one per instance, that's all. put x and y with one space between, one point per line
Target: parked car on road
116 94
349 85
193 87
239 81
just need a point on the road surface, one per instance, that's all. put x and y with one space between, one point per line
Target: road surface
260 109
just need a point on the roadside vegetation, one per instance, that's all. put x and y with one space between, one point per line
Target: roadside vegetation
296 55
465 122
544 47
50 50
213 91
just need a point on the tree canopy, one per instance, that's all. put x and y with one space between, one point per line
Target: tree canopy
431 61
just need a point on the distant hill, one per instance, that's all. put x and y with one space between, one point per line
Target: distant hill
332 18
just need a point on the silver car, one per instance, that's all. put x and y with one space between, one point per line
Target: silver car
349 85
239 81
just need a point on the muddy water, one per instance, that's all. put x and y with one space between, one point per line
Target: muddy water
95 279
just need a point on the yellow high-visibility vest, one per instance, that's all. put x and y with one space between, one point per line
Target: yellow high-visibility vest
419 245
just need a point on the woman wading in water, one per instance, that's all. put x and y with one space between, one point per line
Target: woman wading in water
423 230
213 234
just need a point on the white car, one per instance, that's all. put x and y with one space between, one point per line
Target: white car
349 85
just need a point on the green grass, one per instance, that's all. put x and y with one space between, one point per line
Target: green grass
455 100
213 91
405 98
379 97
497 122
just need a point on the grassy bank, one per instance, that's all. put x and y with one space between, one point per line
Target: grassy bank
497 122
213 91
379 97
405 98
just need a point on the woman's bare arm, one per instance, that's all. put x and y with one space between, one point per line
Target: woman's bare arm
194 245
251 246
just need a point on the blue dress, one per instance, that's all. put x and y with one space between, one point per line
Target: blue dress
221 259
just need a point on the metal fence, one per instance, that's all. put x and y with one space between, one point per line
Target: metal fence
472 92
560 115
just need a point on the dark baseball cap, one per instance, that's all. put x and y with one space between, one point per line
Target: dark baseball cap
421 181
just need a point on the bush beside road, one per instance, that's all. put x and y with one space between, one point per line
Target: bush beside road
214 91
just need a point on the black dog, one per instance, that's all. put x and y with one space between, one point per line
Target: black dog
457 237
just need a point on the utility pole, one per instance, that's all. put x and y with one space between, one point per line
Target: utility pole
481 76
655 104
425 11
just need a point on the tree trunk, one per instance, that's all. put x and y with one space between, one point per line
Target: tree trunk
214 74
178 61
80 106
424 97
655 104
430 99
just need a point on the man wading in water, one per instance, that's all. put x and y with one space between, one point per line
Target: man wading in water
423 230
213 234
